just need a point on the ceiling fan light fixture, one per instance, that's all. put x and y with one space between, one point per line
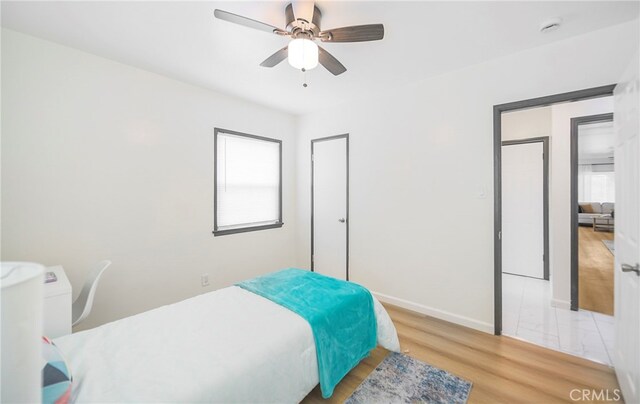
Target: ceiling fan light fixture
302 51
303 54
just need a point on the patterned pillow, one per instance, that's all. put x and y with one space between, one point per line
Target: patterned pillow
56 378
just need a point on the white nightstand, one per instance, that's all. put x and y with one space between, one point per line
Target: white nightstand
57 305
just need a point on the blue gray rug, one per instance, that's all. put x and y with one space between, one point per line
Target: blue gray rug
401 379
609 244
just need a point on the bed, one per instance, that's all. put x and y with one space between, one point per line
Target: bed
229 345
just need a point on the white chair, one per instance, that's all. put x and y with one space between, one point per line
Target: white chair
83 303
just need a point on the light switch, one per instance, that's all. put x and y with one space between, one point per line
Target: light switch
481 193
204 280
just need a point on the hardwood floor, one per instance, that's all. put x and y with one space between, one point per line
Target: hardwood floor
502 369
595 271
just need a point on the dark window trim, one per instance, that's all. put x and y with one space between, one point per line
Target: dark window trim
579 95
575 125
279 224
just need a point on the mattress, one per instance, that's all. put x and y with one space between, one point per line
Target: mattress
224 346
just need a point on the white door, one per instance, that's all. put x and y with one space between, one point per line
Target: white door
330 213
523 209
626 356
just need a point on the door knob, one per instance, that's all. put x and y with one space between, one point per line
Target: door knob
631 268
342 220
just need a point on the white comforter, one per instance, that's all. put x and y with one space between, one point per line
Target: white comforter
225 346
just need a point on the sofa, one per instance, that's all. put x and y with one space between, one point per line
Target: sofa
587 211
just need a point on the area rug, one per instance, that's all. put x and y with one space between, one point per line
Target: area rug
610 246
401 379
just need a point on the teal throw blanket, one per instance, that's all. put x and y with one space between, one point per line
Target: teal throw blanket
340 313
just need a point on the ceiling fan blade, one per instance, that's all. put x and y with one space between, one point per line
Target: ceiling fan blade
356 33
288 14
329 62
276 58
247 22
304 9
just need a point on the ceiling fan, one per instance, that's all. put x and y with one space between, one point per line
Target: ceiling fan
304 29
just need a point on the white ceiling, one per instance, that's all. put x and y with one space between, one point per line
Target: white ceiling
422 39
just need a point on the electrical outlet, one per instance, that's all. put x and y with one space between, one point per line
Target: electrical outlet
204 280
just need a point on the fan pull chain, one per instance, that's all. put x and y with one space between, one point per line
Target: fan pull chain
304 77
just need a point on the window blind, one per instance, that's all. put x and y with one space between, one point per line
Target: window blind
247 182
596 186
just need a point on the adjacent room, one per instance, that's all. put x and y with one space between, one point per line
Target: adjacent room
546 301
596 214
330 201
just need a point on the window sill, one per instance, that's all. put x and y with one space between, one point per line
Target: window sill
247 229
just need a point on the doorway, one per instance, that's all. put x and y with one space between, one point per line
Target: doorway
525 207
330 206
527 307
593 213
498 110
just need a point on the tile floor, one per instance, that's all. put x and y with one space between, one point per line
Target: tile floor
527 314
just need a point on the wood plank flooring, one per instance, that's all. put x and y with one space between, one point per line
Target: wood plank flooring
502 369
595 271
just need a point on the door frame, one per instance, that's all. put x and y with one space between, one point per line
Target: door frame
575 125
545 194
313 142
579 95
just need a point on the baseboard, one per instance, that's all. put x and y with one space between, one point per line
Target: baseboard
437 313
561 304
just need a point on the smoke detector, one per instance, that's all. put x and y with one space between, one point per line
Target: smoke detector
550 24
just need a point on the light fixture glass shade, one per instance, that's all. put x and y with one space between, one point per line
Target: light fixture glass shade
303 54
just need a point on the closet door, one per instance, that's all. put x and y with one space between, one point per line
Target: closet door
329 210
523 209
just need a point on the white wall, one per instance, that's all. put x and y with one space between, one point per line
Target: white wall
102 160
421 215
554 121
560 192
526 123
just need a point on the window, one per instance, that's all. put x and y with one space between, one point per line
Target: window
248 182
596 183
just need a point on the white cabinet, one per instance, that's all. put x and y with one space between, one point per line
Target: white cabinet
57 305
